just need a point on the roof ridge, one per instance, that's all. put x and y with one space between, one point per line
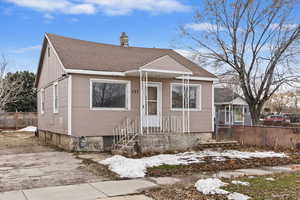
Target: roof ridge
99 43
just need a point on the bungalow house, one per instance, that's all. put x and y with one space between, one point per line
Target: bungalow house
230 108
94 96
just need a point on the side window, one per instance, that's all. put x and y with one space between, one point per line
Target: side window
55 98
49 51
42 101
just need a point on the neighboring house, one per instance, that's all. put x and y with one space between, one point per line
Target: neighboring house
91 95
230 108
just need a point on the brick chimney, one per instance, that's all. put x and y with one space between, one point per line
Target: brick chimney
123 40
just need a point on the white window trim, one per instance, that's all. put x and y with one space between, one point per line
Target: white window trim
128 94
42 101
55 110
198 102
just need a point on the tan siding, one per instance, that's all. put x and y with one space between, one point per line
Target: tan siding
52 71
101 122
96 122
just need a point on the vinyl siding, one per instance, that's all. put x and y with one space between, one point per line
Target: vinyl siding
87 122
51 72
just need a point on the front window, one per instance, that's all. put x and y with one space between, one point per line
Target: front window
55 98
109 94
191 101
238 113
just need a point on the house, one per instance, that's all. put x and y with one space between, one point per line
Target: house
230 108
94 96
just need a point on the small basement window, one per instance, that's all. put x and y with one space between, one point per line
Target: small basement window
193 101
110 94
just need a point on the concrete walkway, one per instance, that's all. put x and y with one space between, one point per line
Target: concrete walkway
88 191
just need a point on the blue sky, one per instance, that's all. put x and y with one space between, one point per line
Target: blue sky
149 23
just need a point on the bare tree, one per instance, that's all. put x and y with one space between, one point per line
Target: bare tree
8 89
282 101
254 40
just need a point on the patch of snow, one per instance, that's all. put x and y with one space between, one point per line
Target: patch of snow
135 168
28 129
240 183
237 196
211 186
270 179
251 176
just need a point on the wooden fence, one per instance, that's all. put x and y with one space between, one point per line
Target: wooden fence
286 137
17 120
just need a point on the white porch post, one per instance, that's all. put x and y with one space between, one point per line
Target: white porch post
183 104
146 102
243 107
230 115
188 105
141 103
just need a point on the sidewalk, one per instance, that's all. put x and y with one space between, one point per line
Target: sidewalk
117 190
88 191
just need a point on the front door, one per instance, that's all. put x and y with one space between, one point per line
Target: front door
152 105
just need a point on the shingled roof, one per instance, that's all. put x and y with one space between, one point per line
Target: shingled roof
86 55
223 95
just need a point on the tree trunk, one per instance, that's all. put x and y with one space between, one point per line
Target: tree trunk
255 111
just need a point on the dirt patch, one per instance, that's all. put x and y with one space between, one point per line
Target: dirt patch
210 165
98 169
21 142
180 192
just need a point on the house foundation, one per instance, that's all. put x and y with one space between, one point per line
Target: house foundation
71 143
171 142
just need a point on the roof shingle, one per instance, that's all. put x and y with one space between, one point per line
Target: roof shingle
85 55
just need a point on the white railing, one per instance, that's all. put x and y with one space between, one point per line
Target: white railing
126 133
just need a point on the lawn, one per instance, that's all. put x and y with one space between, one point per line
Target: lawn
283 187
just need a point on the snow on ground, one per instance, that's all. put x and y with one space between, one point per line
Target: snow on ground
135 168
238 196
240 183
211 186
270 179
28 129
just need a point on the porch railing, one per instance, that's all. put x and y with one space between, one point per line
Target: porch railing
126 133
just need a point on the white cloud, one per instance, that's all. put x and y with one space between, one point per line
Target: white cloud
49 16
203 27
109 7
63 6
82 9
123 7
284 26
26 49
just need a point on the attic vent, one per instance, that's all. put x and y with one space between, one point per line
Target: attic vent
123 40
